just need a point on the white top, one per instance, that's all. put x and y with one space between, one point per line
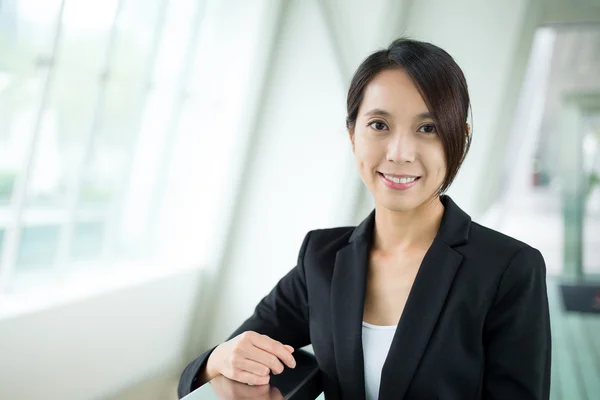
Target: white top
376 342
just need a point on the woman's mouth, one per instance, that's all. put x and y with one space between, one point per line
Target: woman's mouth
399 182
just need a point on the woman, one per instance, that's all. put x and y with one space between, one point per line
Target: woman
418 301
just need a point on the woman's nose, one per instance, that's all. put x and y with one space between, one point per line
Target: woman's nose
402 147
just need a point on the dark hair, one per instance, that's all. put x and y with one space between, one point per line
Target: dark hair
441 83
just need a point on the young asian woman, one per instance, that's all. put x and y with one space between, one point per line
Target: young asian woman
418 301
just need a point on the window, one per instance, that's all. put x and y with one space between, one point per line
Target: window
108 109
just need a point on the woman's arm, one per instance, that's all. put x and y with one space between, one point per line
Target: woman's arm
517 336
282 315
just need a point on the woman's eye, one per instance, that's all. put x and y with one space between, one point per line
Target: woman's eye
429 128
378 125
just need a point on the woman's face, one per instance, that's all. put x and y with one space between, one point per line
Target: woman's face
398 152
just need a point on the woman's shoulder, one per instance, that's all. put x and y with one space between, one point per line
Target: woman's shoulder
319 243
491 243
336 235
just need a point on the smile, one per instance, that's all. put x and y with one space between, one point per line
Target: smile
399 182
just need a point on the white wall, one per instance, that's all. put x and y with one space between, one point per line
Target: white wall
360 28
94 348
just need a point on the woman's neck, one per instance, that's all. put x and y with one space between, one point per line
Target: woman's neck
398 231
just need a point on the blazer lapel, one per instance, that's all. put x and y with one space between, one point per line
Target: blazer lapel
425 302
423 307
348 289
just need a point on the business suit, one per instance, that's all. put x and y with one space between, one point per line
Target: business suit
475 325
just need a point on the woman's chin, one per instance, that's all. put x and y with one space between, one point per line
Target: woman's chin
405 204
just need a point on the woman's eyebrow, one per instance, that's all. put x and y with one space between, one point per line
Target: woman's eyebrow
378 112
422 116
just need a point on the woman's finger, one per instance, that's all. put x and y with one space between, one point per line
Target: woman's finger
265 358
289 348
275 348
253 367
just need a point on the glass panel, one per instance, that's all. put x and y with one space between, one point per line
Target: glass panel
27 30
175 40
133 119
37 247
136 27
107 166
87 241
70 111
136 30
157 122
7 185
133 226
133 219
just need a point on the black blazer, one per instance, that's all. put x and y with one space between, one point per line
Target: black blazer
475 326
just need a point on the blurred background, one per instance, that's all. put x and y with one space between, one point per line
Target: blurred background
161 161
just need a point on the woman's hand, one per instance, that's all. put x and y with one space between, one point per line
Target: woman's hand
249 358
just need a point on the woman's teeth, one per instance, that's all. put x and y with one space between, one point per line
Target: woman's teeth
400 180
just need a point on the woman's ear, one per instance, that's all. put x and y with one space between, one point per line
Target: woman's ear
351 134
468 128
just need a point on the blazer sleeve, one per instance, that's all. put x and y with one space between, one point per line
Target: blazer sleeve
281 315
517 336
